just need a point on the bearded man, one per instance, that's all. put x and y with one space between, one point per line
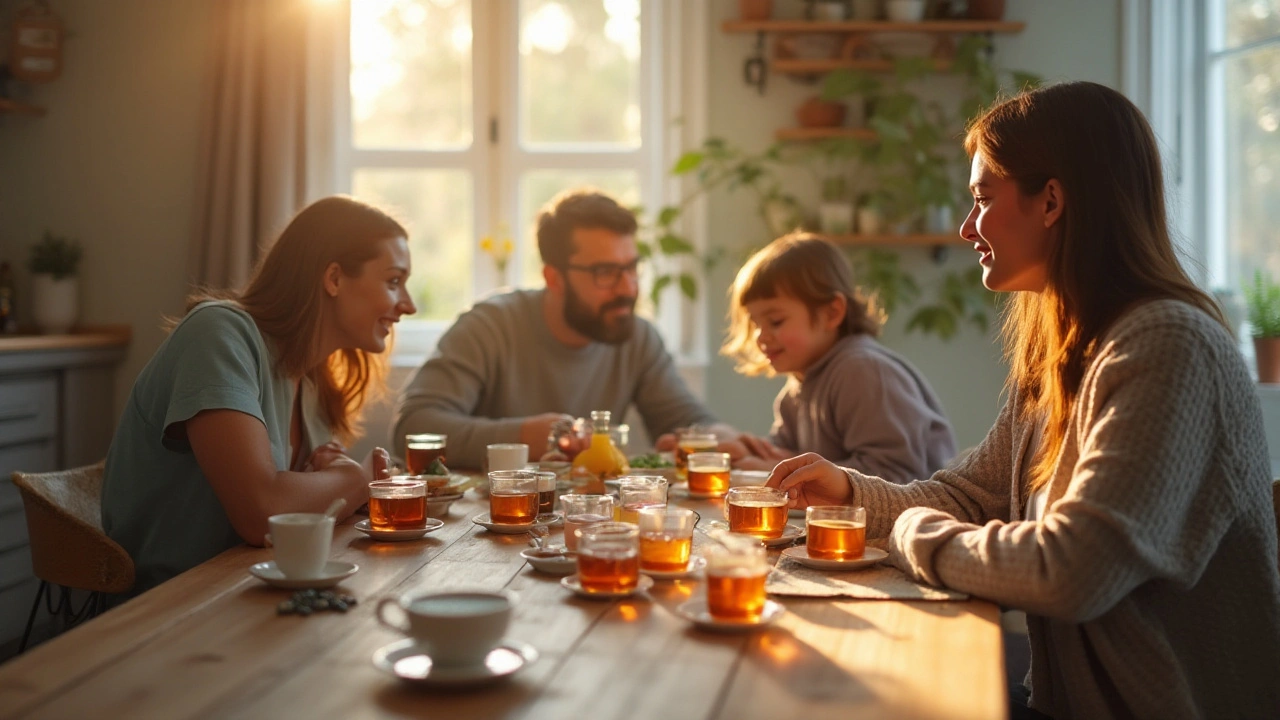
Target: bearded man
516 363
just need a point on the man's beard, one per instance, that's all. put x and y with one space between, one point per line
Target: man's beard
597 327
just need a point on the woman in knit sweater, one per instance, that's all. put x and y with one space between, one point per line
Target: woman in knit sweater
1123 497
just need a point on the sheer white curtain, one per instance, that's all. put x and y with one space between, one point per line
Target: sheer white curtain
270 136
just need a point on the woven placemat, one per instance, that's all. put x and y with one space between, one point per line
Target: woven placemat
878 582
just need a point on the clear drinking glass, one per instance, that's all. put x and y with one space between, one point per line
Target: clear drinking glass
398 504
609 557
666 538
836 532
689 442
581 511
756 510
736 571
708 473
513 497
639 491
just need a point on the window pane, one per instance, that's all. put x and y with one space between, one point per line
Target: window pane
436 208
1252 163
411 73
1249 20
580 72
539 186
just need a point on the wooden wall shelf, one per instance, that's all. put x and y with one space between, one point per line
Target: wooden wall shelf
921 239
873 26
824 133
10 107
792 66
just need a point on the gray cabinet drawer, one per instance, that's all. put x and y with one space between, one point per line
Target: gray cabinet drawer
28 408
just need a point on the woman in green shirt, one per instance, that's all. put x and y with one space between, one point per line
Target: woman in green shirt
242 412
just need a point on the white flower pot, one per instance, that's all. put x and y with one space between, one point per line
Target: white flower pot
836 218
870 221
905 10
833 11
55 304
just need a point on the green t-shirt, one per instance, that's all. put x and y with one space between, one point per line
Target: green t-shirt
156 501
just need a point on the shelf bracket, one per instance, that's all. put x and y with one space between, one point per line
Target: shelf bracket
755 69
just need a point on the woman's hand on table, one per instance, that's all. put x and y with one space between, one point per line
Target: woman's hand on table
809 479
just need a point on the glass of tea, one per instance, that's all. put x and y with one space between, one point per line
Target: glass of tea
836 532
756 510
636 492
709 473
398 504
736 571
422 449
581 511
546 492
691 441
666 538
513 497
609 557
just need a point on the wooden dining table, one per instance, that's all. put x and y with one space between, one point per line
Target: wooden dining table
209 643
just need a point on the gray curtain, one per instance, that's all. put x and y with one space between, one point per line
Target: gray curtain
269 143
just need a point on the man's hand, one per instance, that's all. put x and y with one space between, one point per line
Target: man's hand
811 480
535 430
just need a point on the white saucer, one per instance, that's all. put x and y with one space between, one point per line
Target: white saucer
790 533
366 527
559 564
405 660
739 478
800 554
483 520
335 571
571 583
694 569
695 611
438 506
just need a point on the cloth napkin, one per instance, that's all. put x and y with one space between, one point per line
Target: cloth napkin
878 582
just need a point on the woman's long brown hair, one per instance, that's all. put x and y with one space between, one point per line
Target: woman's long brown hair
284 297
1112 250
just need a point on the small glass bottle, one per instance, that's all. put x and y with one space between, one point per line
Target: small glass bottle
602 459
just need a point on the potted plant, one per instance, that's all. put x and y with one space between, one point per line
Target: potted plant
1262 298
55 297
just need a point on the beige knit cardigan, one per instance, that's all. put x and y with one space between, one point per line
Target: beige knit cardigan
1150 583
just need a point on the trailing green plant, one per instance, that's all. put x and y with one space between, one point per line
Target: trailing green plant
1262 299
55 255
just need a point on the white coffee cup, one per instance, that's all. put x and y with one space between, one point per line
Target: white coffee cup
455 627
508 456
301 542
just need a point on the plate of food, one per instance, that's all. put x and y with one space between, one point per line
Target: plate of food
654 464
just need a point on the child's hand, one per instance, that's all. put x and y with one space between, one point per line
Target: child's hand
665 442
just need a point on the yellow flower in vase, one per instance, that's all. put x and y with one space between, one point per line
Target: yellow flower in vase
499 250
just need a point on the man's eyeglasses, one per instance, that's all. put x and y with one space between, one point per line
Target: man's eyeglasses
606 275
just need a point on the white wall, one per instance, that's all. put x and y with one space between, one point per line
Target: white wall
1062 41
113 162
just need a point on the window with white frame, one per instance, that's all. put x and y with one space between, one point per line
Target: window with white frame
466 116
1208 74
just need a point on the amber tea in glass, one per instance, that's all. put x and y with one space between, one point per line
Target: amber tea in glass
513 497
608 557
546 492
666 538
422 449
398 504
636 492
581 511
836 532
689 442
755 510
736 572
709 473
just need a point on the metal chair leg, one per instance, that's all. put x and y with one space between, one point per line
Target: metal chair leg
31 619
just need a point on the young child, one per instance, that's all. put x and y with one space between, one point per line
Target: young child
794 310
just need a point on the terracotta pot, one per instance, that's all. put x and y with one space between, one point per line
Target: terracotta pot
986 9
755 9
816 112
1266 350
